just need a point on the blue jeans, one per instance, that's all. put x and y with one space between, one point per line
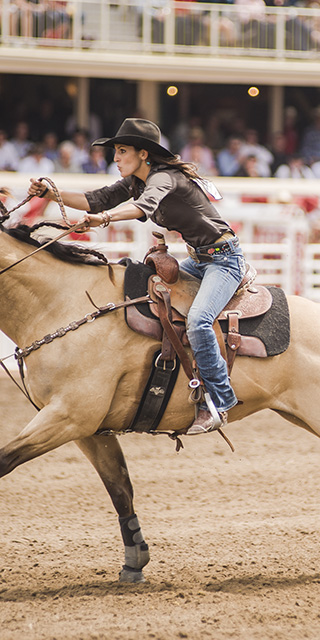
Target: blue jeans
219 280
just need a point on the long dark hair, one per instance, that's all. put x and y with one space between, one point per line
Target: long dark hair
187 168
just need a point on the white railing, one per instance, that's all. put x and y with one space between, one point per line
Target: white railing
312 272
165 26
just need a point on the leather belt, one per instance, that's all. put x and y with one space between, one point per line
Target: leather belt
226 243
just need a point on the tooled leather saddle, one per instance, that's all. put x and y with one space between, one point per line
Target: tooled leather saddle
172 291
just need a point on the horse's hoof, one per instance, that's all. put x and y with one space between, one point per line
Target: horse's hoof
131 575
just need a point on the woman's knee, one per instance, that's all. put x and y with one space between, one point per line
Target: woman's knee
197 323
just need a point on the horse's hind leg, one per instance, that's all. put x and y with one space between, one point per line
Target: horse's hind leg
105 453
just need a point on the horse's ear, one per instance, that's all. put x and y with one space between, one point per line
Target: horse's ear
4 194
4 191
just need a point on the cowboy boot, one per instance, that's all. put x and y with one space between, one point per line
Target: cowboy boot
204 422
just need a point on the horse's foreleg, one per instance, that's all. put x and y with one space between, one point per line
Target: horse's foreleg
105 453
49 429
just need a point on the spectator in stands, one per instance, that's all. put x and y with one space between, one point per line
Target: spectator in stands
20 139
188 27
278 150
290 130
81 146
251 147
229 158
26 17
299 35
315 29
310 146
250 11
96 163
36 163
57 20
249 168
198 153
50 145
65 162
235 126
179 136
95 127
252 23
45 19
214 133
295 168
9 158
46 116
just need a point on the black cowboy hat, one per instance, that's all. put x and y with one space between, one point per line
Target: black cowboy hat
138 133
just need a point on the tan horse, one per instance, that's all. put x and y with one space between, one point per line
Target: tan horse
93 376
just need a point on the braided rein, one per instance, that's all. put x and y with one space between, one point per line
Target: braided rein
70 227
5 214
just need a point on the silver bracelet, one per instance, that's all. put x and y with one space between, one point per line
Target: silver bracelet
106 219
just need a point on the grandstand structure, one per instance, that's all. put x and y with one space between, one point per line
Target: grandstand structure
149 43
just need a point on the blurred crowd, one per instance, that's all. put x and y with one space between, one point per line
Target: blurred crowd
235 150
252 24
49 155
239 151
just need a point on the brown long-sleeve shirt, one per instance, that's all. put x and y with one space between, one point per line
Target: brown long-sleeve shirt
171 200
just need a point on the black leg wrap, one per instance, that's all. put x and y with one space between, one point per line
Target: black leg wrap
130 530
136 549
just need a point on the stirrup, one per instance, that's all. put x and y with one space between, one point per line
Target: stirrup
217 421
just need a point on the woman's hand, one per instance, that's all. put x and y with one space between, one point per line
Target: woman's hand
38 188
90 220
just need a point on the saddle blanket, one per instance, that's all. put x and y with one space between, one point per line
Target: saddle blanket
272 327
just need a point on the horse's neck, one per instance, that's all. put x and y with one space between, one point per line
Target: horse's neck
44 293
11 250
25 288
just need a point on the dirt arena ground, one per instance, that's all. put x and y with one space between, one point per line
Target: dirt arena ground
234 538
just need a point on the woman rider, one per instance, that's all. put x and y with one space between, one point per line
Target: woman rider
173 195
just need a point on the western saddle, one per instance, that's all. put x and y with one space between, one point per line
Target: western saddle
172 292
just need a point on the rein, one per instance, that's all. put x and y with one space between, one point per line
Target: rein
70 228
5 214
24 388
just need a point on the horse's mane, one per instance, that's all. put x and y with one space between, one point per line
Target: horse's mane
67 251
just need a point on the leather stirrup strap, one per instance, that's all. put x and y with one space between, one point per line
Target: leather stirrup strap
233 338
168 351
164 311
